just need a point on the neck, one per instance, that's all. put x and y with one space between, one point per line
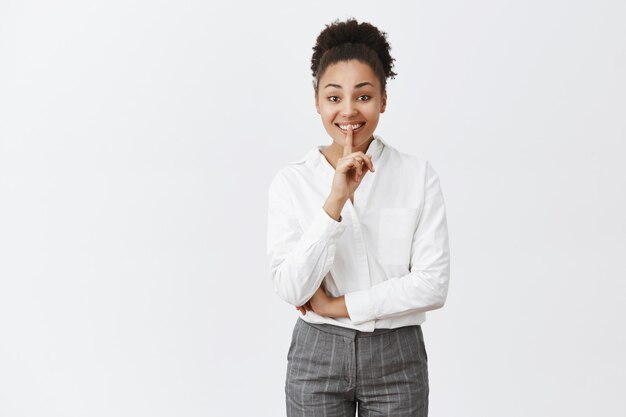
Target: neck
334 151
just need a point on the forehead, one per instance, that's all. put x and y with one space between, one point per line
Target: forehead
348 73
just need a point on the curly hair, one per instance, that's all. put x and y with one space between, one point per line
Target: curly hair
343 41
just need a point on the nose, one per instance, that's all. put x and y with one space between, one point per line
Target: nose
348 109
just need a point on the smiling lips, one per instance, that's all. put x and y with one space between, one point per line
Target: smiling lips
356 127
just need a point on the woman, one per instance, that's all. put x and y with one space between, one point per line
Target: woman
358 243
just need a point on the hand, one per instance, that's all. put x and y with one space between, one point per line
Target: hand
325 305
350 169
321 302
304 308
318 303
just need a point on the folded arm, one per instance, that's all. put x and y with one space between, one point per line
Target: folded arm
425 287
299 259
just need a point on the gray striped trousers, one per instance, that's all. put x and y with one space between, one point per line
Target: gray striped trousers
332 371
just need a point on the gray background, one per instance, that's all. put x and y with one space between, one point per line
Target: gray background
137 141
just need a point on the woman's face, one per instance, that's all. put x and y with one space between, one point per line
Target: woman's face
349 93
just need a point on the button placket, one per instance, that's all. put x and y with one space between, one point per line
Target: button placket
359 245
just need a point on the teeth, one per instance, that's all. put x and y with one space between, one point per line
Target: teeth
345 127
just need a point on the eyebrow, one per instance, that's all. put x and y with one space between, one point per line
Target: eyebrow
359 85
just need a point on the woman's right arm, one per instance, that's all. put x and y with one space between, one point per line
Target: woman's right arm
298 259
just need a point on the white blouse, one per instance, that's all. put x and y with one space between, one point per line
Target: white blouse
388 255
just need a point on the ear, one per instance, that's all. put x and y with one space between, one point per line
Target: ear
383 104
317 103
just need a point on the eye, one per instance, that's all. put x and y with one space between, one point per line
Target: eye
331 97
365 95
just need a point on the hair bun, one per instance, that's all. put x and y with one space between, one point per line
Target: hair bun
352 32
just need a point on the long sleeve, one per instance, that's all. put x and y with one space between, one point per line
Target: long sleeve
425 287
298 259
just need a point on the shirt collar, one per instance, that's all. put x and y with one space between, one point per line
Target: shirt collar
315 157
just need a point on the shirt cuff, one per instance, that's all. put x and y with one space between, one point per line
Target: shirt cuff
325 228
360 307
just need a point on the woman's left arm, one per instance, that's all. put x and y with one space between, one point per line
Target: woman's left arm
425 287
325 305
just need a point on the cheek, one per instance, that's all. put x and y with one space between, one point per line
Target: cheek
371 119
328 115
373 115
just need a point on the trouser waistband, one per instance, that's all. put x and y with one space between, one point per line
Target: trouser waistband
344 331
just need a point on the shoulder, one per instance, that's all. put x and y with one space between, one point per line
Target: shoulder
293 171
303 165
415 167
407 160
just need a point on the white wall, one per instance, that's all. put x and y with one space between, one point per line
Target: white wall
137 141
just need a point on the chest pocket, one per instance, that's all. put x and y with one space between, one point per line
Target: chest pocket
396 227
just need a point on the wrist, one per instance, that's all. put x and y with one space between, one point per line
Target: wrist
336 198
333 206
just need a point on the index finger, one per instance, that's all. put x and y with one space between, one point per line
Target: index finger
347 148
